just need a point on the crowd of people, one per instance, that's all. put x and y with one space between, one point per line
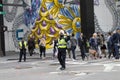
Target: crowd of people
96 47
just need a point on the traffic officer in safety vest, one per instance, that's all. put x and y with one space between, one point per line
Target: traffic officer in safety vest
22 47
62 45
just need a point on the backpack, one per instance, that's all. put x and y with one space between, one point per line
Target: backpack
99 41
73 42
90 41
88 44
69 44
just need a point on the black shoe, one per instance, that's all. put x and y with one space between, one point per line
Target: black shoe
19 61
62 68
30 54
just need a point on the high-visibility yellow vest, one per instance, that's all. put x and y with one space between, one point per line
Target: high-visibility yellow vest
62 43
20 44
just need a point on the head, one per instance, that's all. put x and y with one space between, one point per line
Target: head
73 35
30 36
22 39
98 34
118 30
61 35
109 33
94 35
81 34
61 32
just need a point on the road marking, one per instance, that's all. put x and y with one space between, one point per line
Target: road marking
75 62
109 67
7 62
81 74
34 63
58 68
75 73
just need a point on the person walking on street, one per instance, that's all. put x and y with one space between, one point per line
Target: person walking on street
116 43
31 45
22 47
69 46
109 45
55 47
82 46
94 44
73 46
42 47
99 44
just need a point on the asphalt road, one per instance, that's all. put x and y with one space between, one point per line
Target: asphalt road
48 69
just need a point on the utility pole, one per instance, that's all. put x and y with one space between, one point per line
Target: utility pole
2 41
87 17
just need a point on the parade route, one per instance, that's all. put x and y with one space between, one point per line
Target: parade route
48 69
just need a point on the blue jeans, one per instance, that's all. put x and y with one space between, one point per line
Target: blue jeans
73 51
110 50
116 51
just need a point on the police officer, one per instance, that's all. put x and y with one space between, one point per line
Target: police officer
116 43
22 47
62 45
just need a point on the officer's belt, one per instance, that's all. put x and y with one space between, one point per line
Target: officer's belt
61 44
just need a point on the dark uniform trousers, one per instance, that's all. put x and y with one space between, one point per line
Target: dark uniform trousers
22 53
62 56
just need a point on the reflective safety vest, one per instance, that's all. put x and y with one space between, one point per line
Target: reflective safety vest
20 44
62 43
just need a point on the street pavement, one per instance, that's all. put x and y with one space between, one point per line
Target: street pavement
48 69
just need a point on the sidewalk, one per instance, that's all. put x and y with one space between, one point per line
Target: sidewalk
12 55
15 56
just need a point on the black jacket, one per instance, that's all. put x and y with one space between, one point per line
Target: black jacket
115 38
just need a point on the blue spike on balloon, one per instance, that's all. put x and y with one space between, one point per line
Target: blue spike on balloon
77 35
69 31
78 24
77 11
66 13
60 1
50 5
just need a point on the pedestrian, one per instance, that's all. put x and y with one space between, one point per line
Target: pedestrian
99 44
103 46
69 46
22 47
42 48
73 46
109 45
55 41
94 45
82 46
62 45
116 43
31 45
